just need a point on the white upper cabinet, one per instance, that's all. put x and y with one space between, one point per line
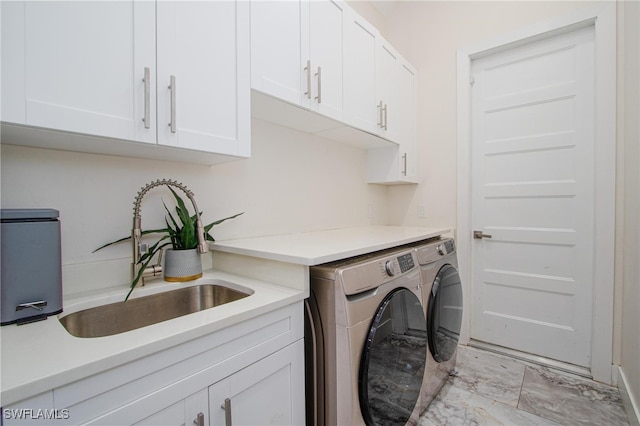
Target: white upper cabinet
371 80
278 53
326 57
339 79
361 100
78 66
296 53
203 76
386 89
103 69
406 120
398 164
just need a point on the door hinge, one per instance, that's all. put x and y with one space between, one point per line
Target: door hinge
472 80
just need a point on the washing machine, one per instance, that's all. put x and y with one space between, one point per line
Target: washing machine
366 340
442 298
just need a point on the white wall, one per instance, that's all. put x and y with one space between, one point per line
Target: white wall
293 182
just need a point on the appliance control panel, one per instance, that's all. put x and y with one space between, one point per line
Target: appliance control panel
401 264
406 262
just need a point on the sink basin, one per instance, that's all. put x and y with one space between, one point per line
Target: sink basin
114 318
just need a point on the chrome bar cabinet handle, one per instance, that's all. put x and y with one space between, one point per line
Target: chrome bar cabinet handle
308 70
199 421
404 165
227 412
385 117
319 74
147 98
172 87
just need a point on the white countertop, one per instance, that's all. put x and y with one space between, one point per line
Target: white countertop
314 248
41 356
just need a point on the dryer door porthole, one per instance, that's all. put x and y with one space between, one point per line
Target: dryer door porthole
444 313
393 360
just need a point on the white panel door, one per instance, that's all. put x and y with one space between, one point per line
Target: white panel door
204 46
386 86
278 54
405 121
533 194
325 46
84 64
360 104
269 392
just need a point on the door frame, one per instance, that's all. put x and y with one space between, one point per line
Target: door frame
602 16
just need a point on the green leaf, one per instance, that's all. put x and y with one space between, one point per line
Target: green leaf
144 261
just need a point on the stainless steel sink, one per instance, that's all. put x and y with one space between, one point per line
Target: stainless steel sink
114 318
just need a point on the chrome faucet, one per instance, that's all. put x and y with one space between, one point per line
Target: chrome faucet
136 232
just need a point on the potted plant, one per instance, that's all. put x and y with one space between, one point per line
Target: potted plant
182 260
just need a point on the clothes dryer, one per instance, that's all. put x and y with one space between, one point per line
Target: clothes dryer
442 298
366 342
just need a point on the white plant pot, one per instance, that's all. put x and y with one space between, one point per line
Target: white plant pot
182 265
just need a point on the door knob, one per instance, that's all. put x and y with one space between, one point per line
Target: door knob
478 235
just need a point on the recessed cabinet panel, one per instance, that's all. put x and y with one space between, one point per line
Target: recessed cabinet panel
278 54
199 68
83 65
267 392
326 57
361 106
406 119
386 85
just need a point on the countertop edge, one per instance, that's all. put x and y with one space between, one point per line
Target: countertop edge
259 246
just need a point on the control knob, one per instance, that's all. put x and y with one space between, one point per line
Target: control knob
388 267
441 249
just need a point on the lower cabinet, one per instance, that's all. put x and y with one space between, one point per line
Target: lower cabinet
251 373
192 410
267 392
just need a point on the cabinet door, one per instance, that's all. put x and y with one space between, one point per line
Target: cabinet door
269 392
326 57
278 55
360 100
386 77
406 121
203 76
189 411
79 66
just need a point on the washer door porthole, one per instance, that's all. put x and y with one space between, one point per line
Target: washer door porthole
444 313
393 360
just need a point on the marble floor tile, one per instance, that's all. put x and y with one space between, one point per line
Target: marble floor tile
455 406
570 400
494 376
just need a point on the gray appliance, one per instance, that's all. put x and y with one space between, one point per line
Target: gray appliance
442 298
366 340
31 286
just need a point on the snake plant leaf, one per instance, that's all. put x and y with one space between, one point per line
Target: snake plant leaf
154 248
188 239
208 227
123 239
